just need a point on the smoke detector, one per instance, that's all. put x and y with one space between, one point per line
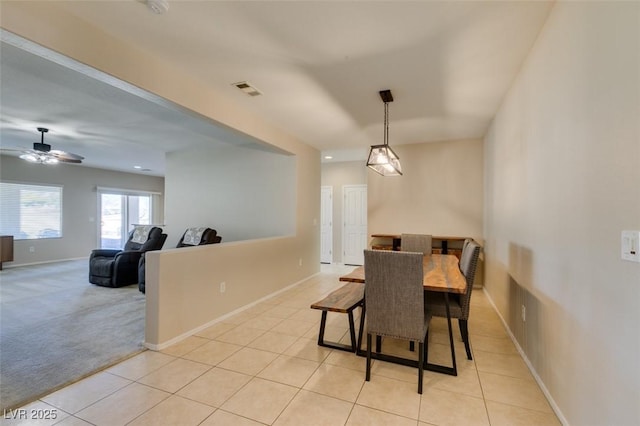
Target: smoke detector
247 88
158 6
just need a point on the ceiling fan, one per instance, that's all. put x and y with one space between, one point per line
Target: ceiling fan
43 154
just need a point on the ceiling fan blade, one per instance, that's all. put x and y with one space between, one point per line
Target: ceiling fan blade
12 150
68 160
68 157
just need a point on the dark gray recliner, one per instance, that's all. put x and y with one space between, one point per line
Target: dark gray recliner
191 237
118 268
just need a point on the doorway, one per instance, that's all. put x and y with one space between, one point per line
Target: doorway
118 214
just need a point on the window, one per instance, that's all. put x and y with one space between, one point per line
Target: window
30 212
119 211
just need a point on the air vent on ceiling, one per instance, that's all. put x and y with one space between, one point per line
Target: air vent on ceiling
247 88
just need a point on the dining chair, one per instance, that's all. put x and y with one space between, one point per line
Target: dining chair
417 243
459 304
394 300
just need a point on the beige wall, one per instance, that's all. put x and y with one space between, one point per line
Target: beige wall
440 193
243 193
80 214
562 164
183 285
177 303
336 175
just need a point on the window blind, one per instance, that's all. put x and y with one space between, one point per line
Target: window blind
30 211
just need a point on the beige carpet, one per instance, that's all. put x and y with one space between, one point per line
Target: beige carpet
56 327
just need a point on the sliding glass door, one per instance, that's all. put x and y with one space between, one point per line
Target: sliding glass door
118 214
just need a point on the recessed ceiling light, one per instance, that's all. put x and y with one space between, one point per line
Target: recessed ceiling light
328 157
137 167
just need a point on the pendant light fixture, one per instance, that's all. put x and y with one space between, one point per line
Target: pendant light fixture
382 159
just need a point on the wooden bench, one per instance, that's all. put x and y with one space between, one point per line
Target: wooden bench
343 300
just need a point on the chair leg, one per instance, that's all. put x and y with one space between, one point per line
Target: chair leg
368 374
378 344
426 348
421 346
464 331
412 346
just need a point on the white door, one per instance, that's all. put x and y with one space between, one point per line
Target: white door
326 224
354 233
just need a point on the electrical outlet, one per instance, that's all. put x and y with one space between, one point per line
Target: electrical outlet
32 249
223 287
524 314
300 262
631 245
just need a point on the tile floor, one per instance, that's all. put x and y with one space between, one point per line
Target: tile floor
263 366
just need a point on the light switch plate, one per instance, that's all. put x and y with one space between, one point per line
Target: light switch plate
630 245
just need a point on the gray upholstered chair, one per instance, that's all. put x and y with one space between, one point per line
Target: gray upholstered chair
419 243
459 303
394 300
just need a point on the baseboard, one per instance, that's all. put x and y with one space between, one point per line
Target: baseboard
19 265
533 371
177 339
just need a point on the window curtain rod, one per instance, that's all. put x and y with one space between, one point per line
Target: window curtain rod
122 191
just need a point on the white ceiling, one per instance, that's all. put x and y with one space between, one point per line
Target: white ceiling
319 65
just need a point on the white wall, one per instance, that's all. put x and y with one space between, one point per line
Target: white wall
562 163
241 192
80 214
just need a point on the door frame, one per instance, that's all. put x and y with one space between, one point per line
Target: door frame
329 210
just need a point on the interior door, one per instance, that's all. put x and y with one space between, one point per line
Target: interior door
326 224
354 235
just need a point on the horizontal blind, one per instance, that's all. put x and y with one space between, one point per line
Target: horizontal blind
30 211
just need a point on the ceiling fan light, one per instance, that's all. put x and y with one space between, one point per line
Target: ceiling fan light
49 160
30 157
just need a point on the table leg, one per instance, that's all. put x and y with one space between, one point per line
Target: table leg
453 371
453 349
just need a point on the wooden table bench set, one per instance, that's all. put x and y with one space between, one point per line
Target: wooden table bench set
441 274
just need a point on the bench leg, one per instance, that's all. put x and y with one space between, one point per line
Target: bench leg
361 330
352 332
323 323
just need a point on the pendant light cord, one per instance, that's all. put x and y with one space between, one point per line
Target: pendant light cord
386 123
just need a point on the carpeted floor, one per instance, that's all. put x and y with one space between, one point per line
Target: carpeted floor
56 328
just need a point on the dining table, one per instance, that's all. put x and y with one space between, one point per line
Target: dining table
441 274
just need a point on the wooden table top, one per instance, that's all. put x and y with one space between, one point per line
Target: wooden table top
435 237
441 273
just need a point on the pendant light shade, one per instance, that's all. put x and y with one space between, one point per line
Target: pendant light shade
382 159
